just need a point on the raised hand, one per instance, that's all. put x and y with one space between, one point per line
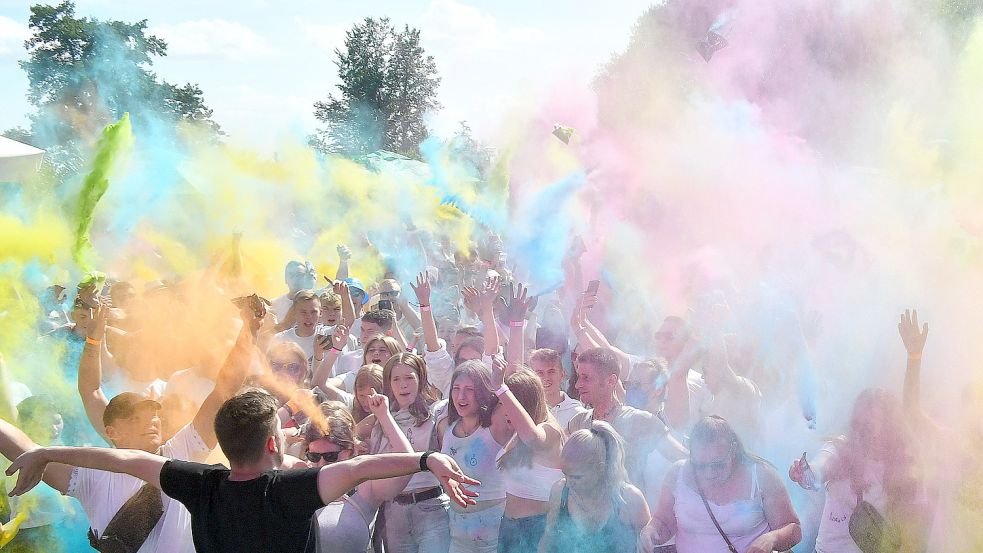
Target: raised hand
913 338
489 291
801 473
97 328
378 404
452 478
339 338
422 288
519 304
470 295
344 252
499 365
31 465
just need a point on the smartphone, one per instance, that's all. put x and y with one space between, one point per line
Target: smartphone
386 304
592 287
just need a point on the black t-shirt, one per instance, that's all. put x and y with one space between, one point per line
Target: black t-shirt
271 513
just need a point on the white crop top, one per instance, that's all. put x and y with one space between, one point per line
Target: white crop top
529 482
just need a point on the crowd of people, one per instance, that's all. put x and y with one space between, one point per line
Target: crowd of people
454 412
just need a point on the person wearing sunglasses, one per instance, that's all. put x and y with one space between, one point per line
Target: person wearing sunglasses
346 524
722 499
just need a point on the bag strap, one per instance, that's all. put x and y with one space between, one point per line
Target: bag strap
730 545
133 522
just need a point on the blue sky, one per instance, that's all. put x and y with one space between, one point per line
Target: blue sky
263 65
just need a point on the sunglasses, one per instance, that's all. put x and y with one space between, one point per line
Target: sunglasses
329 457
288 367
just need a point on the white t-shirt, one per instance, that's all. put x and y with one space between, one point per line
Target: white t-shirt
567 409
348 362
306 343
102 493
834 526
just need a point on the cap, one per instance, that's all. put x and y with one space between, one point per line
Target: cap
355 284
123 406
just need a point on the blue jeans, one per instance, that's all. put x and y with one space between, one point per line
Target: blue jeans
521 535
418 528
476 532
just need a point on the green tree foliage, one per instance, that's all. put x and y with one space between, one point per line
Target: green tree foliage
388 84
85 73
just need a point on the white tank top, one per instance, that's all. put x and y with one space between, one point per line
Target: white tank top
529 482
476 455
743 520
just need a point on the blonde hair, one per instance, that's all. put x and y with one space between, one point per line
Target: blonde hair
528 390
369 376
601 448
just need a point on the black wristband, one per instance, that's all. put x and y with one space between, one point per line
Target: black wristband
423 461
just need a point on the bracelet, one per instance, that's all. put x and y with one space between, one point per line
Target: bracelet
423 461
516 324
291 407
93 341
337 349
501 390
318 360
424 309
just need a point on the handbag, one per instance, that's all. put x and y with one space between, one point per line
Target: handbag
869 529
132 523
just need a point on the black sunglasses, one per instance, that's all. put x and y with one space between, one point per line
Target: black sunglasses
329 457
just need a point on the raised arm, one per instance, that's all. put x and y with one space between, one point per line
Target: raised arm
541 437
14 443
232 374
32 464
422 289
519 305
598 337
914 344
344 256
324 367
388 488
90 370
482 301
340 287
337 478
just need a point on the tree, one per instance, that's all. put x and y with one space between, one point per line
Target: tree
85 73
388 84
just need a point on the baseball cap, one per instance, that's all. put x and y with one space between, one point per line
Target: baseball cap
124 405
355 284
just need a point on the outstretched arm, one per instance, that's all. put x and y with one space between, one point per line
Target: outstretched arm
14 443
32 464
337 478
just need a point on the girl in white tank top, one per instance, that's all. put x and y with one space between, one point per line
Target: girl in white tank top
473 434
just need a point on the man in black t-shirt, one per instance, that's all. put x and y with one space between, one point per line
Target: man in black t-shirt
254 506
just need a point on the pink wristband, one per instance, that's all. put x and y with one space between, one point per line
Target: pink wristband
517 324
504 388
424 308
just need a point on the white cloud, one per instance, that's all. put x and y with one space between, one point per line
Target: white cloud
12 36
469 28
213 38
